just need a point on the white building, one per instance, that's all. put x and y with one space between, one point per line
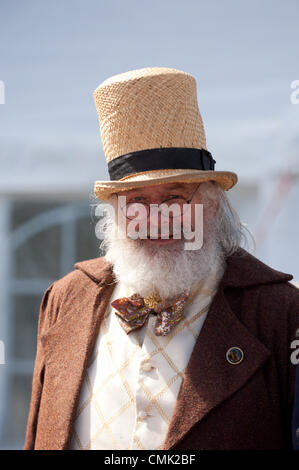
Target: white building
47 224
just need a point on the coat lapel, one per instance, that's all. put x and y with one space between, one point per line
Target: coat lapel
209 378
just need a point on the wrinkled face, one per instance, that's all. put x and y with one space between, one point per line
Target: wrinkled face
181 197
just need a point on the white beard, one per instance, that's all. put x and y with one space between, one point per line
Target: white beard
167 270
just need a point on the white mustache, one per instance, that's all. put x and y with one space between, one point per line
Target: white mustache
165 232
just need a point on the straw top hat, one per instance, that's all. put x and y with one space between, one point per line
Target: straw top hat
152 132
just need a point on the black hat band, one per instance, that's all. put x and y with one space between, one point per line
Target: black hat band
172 158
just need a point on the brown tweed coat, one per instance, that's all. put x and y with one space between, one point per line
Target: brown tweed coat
220 405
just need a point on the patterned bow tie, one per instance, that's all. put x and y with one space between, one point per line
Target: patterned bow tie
133 312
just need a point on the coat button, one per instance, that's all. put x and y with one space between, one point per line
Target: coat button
234 355
142 414
147 367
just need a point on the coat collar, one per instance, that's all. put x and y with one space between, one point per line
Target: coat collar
243 270
69 343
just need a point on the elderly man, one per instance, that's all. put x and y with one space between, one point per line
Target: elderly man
177 338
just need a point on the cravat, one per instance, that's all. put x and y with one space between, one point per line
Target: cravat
133 312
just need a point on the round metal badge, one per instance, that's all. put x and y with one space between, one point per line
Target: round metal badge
234 355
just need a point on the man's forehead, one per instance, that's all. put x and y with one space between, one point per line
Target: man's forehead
162 187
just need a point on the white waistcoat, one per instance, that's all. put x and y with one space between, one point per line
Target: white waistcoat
132 381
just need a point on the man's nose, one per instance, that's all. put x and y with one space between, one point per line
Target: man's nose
155 216
163 222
